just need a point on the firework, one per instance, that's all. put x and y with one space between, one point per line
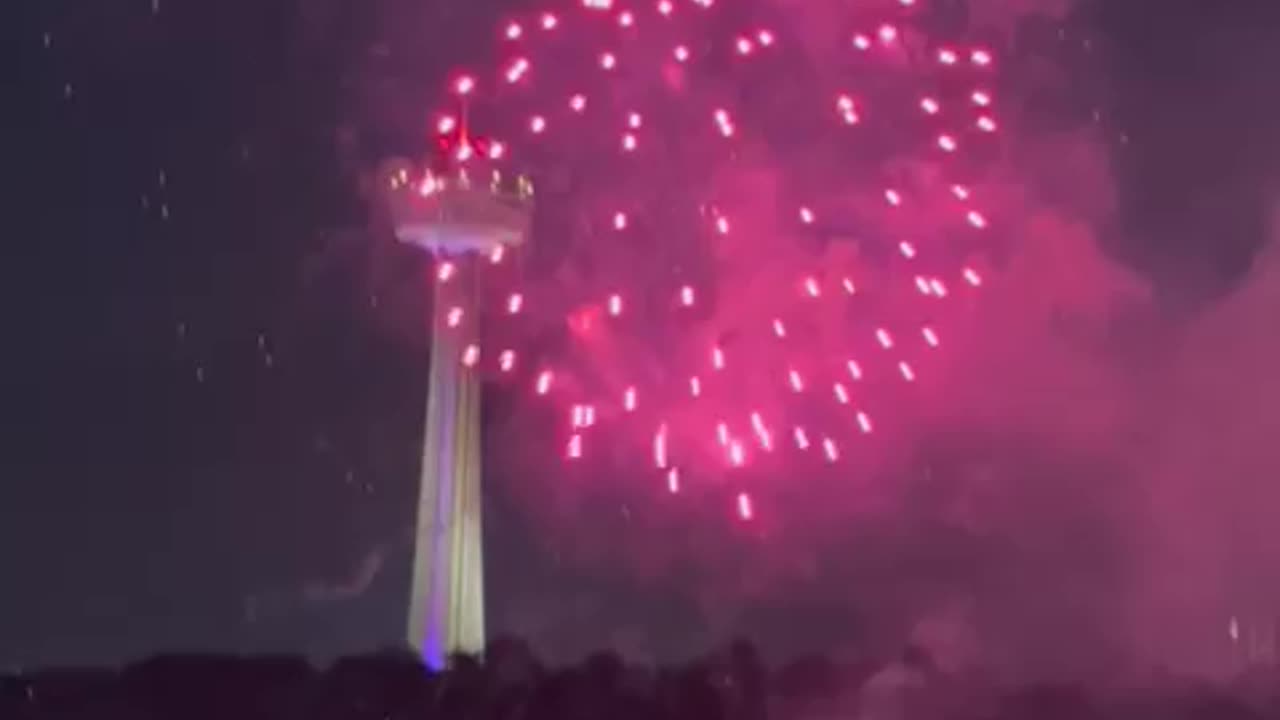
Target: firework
755 255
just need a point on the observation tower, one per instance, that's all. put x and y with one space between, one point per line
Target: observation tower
460 215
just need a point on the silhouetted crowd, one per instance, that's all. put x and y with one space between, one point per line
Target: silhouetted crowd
510 684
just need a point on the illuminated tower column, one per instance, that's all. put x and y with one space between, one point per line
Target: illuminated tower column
456 220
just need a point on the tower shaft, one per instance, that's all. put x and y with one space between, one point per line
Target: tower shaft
446 610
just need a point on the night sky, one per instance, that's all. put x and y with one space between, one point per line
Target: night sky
214 387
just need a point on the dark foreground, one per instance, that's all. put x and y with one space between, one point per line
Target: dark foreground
512 685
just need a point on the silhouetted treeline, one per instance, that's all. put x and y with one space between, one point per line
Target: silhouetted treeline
511 684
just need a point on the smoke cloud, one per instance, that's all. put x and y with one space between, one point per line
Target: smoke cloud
1083 480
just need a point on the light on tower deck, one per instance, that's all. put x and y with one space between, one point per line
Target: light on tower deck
459 217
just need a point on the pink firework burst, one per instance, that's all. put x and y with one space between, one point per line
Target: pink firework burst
756 259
